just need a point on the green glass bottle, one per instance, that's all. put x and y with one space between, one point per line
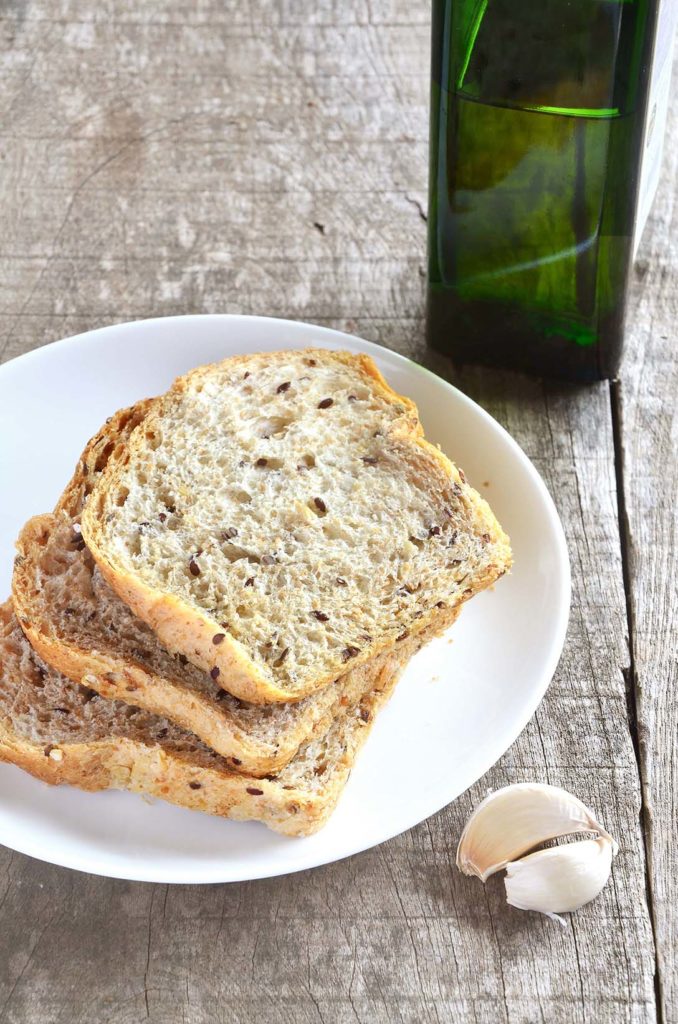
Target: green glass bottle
546 130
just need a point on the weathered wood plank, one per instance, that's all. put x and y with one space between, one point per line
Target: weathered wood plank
391 109
649 439
188 174
231 12
147 227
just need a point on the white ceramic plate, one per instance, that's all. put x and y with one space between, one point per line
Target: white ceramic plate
462 701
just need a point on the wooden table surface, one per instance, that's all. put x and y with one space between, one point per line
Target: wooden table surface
220 156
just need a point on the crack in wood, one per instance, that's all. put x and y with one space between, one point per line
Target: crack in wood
631 679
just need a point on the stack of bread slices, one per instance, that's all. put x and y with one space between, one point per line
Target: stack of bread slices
230 585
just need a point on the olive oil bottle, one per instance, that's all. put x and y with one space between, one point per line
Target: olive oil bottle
547 122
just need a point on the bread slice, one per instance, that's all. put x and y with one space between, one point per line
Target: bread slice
279 518
63 733
79 626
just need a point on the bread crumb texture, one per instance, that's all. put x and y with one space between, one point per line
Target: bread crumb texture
276 517
63 733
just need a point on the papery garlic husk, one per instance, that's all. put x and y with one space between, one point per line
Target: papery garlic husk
513 820
560 879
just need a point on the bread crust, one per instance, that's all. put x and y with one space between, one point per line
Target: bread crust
181 626
117 677
127 765
120 762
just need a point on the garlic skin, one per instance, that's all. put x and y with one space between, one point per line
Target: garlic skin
560 879
513 820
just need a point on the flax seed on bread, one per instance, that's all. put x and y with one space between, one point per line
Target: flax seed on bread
64 733
279 518
80 627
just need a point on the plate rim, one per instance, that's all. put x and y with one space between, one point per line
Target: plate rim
220 873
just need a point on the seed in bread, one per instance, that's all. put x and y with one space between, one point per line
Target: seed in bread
63 733
228 449
79 626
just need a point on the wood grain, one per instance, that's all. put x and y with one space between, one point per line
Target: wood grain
271 158
648 437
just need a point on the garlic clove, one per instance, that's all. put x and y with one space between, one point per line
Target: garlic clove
560 879
515 819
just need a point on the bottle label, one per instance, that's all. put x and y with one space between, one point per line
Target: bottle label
657 109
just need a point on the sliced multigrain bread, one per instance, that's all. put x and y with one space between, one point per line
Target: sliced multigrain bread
80 627
60 732
280 518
